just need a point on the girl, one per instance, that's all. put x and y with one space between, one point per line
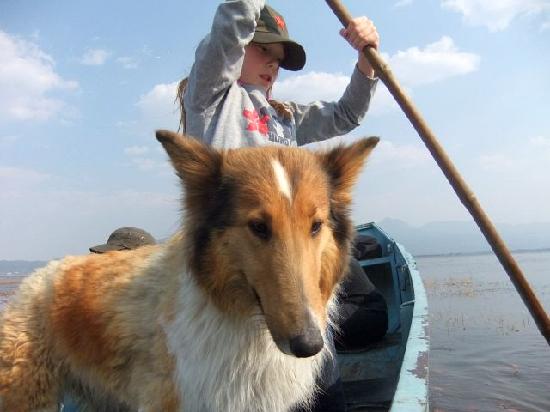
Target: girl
226 100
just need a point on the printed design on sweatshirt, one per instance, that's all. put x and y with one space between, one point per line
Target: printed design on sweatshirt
255 122
269 126
280 129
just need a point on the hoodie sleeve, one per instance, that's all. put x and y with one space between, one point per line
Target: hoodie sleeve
322 120
219 56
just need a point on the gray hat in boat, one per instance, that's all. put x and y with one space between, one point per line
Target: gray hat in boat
125 238
271 28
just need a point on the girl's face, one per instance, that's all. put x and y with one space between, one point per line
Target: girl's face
261 64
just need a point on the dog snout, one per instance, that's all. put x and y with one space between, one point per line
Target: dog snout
307 344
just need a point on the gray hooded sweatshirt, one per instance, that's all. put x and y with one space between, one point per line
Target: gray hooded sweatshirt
226 114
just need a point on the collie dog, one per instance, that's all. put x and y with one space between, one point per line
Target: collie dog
230 314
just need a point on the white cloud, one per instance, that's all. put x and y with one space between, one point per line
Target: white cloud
496 14
158 106
403 3
540 142
313 86
528 160
417 66
435 62
95 57
16 178
139 157
496 162
404 182
27 80
308 87
512 181
383 102
413 67
127 62
404 156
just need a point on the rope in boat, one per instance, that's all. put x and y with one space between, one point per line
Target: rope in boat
464 193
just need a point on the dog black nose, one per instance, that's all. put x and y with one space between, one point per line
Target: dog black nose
307 344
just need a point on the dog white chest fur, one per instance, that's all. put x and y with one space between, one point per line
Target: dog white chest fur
225 364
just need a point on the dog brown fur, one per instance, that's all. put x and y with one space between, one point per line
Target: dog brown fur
100 320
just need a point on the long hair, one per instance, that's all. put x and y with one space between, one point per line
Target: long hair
282 110
182 86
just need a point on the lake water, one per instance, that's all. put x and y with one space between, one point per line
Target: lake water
486 352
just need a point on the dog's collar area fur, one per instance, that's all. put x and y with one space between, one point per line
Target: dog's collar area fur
244 370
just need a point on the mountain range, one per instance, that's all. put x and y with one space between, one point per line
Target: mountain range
463 237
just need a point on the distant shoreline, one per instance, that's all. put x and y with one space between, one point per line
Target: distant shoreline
479 253
6 265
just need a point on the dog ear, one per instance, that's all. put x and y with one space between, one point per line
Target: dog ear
343 165
196 163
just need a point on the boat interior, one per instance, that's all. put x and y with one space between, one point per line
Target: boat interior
370 374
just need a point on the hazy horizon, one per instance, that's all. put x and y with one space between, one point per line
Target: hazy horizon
437 238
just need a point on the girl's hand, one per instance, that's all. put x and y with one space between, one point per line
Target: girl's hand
362 32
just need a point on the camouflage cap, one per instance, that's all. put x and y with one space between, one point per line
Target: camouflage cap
271 28
125 238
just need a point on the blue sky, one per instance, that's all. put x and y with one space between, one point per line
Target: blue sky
83 86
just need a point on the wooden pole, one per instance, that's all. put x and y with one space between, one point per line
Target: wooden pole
466 196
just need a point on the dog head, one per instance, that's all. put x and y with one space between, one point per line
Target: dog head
267 230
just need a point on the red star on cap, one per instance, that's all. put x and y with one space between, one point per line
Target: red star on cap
280 22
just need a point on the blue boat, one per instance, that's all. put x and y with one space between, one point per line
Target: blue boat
391 374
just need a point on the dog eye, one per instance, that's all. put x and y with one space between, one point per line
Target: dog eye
316 227
259 229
